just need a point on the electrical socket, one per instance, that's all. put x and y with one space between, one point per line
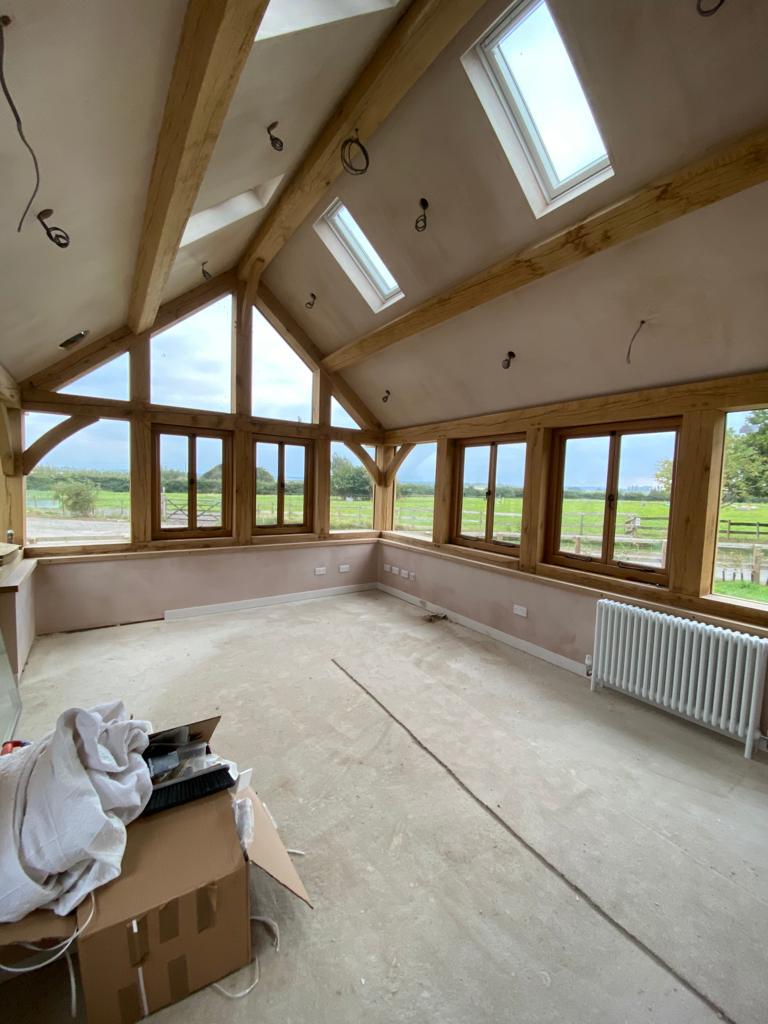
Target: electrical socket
394 570
521 610
411 576
345 568
320 570
387 568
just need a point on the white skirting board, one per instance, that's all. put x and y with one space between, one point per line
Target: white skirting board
569 664
227 607
479 627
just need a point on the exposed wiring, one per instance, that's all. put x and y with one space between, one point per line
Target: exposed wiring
275 142
59 949
311 301
639 328
707 12
421 220
352 149
272 926
5 21
57 235
206 273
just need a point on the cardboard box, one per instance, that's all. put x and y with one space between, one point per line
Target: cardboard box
177 918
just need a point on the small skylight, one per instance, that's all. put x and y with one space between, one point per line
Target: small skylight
537 106
357 257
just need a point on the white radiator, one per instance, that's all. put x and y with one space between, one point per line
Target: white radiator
707 674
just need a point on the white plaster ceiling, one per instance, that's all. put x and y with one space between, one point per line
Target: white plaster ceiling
90 79
700 282
666 86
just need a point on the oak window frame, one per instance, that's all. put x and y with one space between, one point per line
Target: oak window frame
160 532
487 544
281 527
606 564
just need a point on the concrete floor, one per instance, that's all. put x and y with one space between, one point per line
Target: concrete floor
551 856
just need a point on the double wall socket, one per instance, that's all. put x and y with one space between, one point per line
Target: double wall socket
320 570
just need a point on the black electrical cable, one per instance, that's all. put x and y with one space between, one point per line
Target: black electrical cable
351 148
17 118
639 328
707 12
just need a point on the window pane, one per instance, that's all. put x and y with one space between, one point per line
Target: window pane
371 263
351 491
107 381
209 458
174 482
81 491
340 417
294 484
282 383
584 491
191 362
551 94
642 507
474 503
741 562
266 483
508 508
415 492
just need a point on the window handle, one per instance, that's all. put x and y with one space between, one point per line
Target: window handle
610 498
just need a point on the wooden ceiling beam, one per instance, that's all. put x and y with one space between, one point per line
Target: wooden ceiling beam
418 38
270 307
216 39
722 173
109 346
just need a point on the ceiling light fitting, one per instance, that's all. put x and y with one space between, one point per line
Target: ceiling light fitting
507 361
312 300
57 235
385 396
207 275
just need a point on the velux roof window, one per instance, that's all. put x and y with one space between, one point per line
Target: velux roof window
357 257
527 84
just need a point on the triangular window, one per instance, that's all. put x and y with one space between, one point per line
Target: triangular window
110 380
281 380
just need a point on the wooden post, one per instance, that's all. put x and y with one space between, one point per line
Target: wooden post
11 477
242 388
141 441
321 414
695 502
444 491
533 524
384 492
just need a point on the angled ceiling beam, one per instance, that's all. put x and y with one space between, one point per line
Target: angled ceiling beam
376 474
9 390
108 346
418 38
722 173
216 39
40 448
274 311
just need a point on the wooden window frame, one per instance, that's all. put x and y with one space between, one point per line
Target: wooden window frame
281 527
488 544
606 565
193 530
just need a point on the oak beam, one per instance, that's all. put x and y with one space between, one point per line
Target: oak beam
108 346
535 488
745 391
383 493
321 518
398 458
9 390
141 478
418 38
51 438
216 40
442 524
720 174
294 334
374 472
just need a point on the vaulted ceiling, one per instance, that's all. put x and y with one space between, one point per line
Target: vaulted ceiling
665 85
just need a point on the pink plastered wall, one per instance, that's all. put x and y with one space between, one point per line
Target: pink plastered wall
558 620
86 594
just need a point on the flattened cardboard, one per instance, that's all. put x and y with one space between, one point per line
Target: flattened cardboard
267 852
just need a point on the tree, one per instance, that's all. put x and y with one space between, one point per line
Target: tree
78 497
265 482
664 476
349 480
745 473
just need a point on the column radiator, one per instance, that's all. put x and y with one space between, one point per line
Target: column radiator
707 674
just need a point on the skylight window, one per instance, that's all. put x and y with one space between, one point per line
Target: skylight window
357 257
524 78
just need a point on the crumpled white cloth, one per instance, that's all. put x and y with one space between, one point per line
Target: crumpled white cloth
64 804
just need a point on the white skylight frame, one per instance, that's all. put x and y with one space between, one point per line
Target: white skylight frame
516 128
355 254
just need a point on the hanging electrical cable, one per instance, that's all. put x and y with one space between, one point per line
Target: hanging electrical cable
354 155
707 12
639 328
4 22
58 236
421 220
